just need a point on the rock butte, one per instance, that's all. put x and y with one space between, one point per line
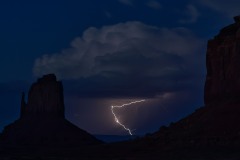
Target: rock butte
42 121
223 63
217 123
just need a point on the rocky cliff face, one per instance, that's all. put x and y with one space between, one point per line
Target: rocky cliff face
217 123
42 121
223 63
45 98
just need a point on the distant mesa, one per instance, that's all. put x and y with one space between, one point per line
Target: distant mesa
42 121
217 123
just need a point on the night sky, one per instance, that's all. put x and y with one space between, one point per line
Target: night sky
111 52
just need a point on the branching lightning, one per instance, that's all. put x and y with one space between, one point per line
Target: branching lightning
117 120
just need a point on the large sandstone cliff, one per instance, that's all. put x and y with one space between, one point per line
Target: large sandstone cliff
223 64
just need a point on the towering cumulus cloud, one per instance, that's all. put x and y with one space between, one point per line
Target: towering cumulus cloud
132 49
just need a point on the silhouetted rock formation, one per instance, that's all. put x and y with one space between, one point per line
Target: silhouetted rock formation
42 121
223 63
217 123
44 98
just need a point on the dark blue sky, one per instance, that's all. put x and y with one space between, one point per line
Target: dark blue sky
111 52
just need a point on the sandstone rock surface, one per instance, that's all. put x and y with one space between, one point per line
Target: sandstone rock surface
223 64
45 98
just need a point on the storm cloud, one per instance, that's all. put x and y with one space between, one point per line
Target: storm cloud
127 59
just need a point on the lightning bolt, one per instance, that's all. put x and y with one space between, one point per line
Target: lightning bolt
117 120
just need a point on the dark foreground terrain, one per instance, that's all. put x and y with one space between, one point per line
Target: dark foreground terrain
120 151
